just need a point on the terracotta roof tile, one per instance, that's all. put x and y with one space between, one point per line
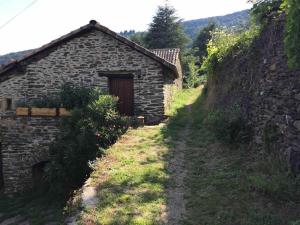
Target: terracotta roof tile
169 54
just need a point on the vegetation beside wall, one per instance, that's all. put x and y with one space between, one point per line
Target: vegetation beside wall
236 184
226 44
265 10
94 124
292 32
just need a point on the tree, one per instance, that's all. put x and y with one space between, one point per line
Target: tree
200 44
263 10
138 38
166 30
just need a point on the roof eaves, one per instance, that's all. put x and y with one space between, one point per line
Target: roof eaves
92 25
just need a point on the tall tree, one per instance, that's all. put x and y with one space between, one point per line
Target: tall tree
166 30
138 38
200 44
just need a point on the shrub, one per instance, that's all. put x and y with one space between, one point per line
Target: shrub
292 33
192 79
229 127
263 10
94 125
226 44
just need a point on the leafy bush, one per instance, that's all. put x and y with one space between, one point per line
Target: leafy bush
224 44
192 78
202 40
292 33
273 178
263 10
229 127
94 125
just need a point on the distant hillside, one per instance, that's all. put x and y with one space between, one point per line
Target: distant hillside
237 19
5 59
191 27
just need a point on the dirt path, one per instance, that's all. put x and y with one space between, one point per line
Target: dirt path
176 205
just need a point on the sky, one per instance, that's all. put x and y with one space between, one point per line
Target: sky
46 20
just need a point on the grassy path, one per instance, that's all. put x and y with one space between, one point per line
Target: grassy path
179 173
176 173
141 178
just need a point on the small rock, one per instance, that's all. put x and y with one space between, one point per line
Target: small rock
297 96
273 67
297 124
89 195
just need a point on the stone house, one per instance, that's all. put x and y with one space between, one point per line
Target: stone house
144 80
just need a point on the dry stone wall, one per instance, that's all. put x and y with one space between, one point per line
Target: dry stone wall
267 91
89 59
24 143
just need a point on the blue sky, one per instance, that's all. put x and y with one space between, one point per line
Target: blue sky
46 20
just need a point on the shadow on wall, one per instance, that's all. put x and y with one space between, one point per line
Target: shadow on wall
1 170
38 172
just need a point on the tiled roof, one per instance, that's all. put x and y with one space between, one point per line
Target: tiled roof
92 25
169 54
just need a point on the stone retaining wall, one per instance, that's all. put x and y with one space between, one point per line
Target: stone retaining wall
267 91
24 143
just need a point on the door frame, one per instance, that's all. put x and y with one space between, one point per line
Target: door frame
125 76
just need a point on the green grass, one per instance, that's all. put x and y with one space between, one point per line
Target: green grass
225 185
235 185
131 179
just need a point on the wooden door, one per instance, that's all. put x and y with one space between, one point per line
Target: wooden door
122 87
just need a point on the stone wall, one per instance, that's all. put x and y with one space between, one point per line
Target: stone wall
89 59
267 91
24 143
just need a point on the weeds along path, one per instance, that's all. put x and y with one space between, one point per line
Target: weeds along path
140 180
178 171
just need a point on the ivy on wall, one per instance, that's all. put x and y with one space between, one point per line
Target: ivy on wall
292 32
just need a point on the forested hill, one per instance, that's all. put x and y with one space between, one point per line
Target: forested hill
192 27
5 59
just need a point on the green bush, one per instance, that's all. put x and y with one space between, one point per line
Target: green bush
273 178
229 127
292 33
94 125
226 44
264 10
192 78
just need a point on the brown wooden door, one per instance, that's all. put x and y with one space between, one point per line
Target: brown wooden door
123 89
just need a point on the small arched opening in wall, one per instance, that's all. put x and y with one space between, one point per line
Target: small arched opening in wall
38 173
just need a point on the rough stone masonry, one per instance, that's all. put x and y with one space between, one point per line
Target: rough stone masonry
88 56
267 91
